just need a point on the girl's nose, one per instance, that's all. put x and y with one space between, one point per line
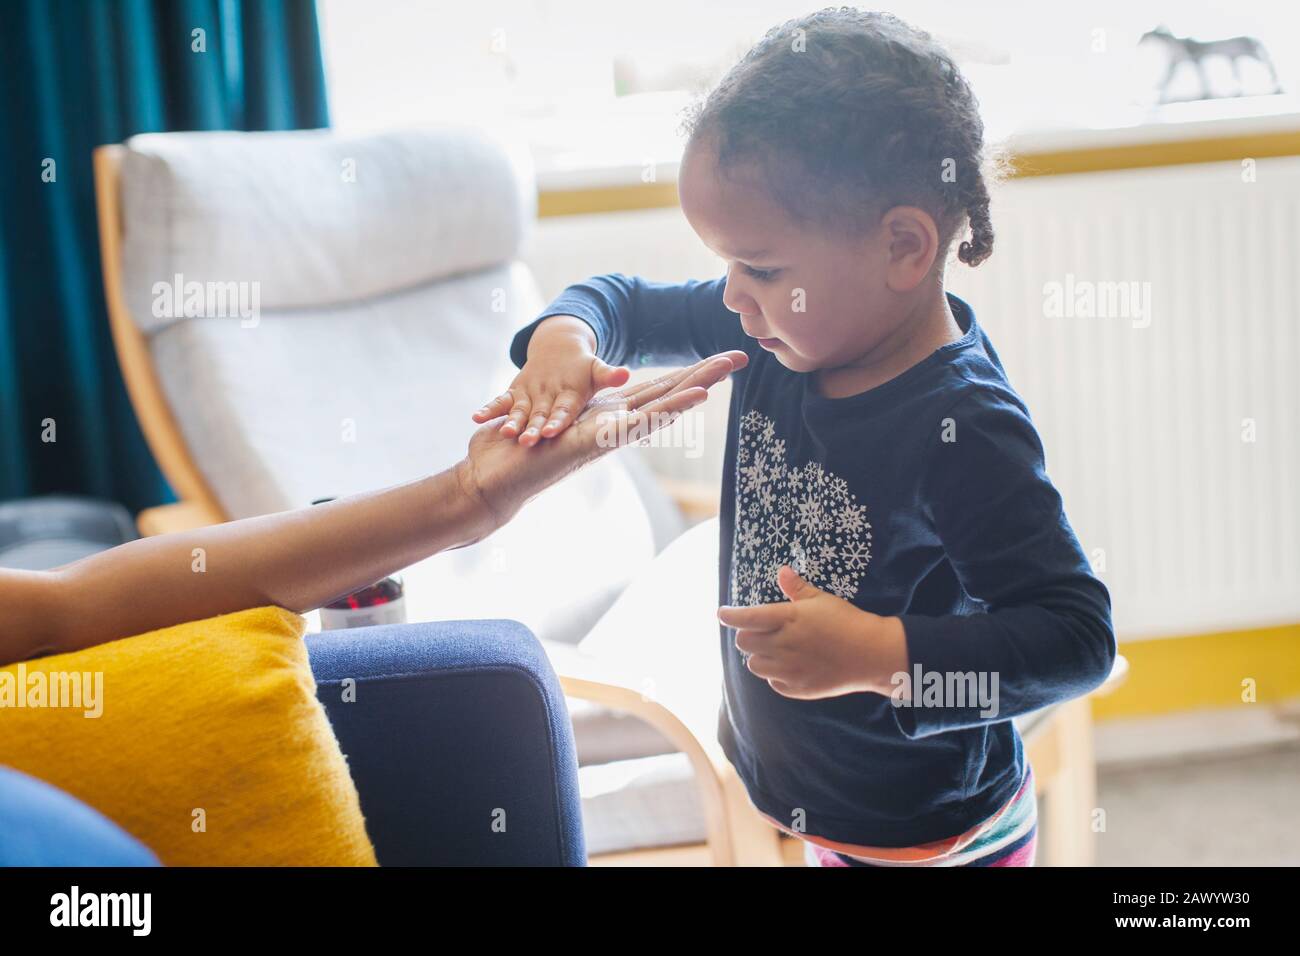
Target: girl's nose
735 298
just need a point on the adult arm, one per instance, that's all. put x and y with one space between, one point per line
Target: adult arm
305 558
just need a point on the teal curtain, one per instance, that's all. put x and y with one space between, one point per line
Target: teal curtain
75 74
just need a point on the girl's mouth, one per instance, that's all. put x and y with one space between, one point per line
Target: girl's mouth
768 344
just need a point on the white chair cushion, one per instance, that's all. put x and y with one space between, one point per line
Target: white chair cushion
634 804
317 218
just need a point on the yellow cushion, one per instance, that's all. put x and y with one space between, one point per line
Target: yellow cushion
209 746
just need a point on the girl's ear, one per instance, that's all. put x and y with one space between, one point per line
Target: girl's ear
913 246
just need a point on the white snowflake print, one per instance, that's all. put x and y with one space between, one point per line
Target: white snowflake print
811 516
777 530
757 475
841 585
853 518
855 556
804 517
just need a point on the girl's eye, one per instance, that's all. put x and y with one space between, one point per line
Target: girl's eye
762 275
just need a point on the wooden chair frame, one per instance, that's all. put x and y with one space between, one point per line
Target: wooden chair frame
1059 747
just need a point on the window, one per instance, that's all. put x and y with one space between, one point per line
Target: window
598 87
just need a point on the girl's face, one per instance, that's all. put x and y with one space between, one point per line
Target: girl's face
815 300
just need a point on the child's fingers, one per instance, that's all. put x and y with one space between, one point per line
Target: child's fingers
518 416
763 665
760 617
494 408
537 418
566 403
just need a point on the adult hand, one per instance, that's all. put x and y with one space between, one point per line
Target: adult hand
505 475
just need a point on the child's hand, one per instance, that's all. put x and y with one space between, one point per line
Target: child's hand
502 477
561 375
816 644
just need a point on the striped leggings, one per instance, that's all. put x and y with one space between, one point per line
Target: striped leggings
1009 839
1020 853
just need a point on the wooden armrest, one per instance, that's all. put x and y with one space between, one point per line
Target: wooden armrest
181 516
602 682
736 833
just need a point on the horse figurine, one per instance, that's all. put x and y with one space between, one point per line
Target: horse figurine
1186 50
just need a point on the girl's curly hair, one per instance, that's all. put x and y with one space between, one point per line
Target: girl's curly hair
847 113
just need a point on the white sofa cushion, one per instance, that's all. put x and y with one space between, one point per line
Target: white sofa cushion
317 218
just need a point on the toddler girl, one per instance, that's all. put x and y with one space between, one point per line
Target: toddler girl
898 577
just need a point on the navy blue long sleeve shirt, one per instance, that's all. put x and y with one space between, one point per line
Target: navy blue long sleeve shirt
925 498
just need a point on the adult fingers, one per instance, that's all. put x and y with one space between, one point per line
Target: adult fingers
626 428
704 373
662 412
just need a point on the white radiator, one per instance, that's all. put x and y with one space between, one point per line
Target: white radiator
1172 428
1172 432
